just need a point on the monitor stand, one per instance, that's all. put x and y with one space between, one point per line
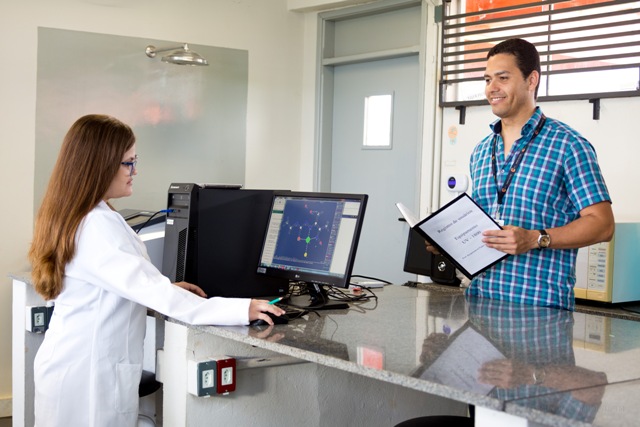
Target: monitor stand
317 299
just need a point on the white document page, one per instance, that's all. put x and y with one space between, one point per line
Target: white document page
457 230
458 365
408 216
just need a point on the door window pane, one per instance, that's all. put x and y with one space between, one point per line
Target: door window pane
378 111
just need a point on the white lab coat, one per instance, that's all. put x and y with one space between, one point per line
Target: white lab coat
88 369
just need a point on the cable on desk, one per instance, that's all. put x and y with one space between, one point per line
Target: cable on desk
138 228
291 311
334 294
340 295
371 278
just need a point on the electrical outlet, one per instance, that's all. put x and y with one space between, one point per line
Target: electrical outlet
208 378
226 375
216 375
37 318
201 378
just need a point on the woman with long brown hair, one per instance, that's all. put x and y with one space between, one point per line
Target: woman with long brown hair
86 257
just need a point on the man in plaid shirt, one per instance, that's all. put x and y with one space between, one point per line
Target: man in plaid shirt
541 179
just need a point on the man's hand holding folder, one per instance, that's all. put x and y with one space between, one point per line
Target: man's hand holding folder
455 231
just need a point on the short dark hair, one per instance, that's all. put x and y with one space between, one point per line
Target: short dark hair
526 54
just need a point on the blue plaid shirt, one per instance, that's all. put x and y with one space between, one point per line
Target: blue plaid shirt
557 178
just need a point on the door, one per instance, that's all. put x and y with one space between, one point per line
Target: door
387 174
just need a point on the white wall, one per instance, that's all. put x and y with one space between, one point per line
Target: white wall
272 35
614 137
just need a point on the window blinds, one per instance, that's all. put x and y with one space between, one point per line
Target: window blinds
588 48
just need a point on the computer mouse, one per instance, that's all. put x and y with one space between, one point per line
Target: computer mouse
277 320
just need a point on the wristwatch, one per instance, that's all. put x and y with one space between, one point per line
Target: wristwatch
539 376
544 240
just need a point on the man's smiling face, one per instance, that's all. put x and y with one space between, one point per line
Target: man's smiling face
509 93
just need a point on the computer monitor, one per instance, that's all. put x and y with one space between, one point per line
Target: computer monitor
417 259
312 238
231 223
420 261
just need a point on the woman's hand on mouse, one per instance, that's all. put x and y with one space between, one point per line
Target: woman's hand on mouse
258 308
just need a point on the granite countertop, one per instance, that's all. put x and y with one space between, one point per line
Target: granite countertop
550 366
435 340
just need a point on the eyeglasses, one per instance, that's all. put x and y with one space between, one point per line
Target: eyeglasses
132 165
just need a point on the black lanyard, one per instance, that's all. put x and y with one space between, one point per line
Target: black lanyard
516 163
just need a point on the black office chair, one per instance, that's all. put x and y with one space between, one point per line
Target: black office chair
148 384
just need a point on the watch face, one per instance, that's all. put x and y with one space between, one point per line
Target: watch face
544 241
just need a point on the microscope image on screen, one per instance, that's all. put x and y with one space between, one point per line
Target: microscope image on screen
307 234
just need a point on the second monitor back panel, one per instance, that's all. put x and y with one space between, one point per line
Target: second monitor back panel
231 227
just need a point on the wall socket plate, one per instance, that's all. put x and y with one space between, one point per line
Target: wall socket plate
207 377
37 318
226 372
202 377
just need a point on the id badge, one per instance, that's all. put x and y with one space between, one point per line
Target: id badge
497 215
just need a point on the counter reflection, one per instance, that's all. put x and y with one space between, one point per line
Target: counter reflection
510 352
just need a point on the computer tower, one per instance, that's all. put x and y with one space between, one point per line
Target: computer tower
231 227
179 258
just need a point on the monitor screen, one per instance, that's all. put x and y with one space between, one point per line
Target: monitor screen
313 237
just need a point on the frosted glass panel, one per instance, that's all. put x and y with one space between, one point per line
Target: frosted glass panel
190 122
377 121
